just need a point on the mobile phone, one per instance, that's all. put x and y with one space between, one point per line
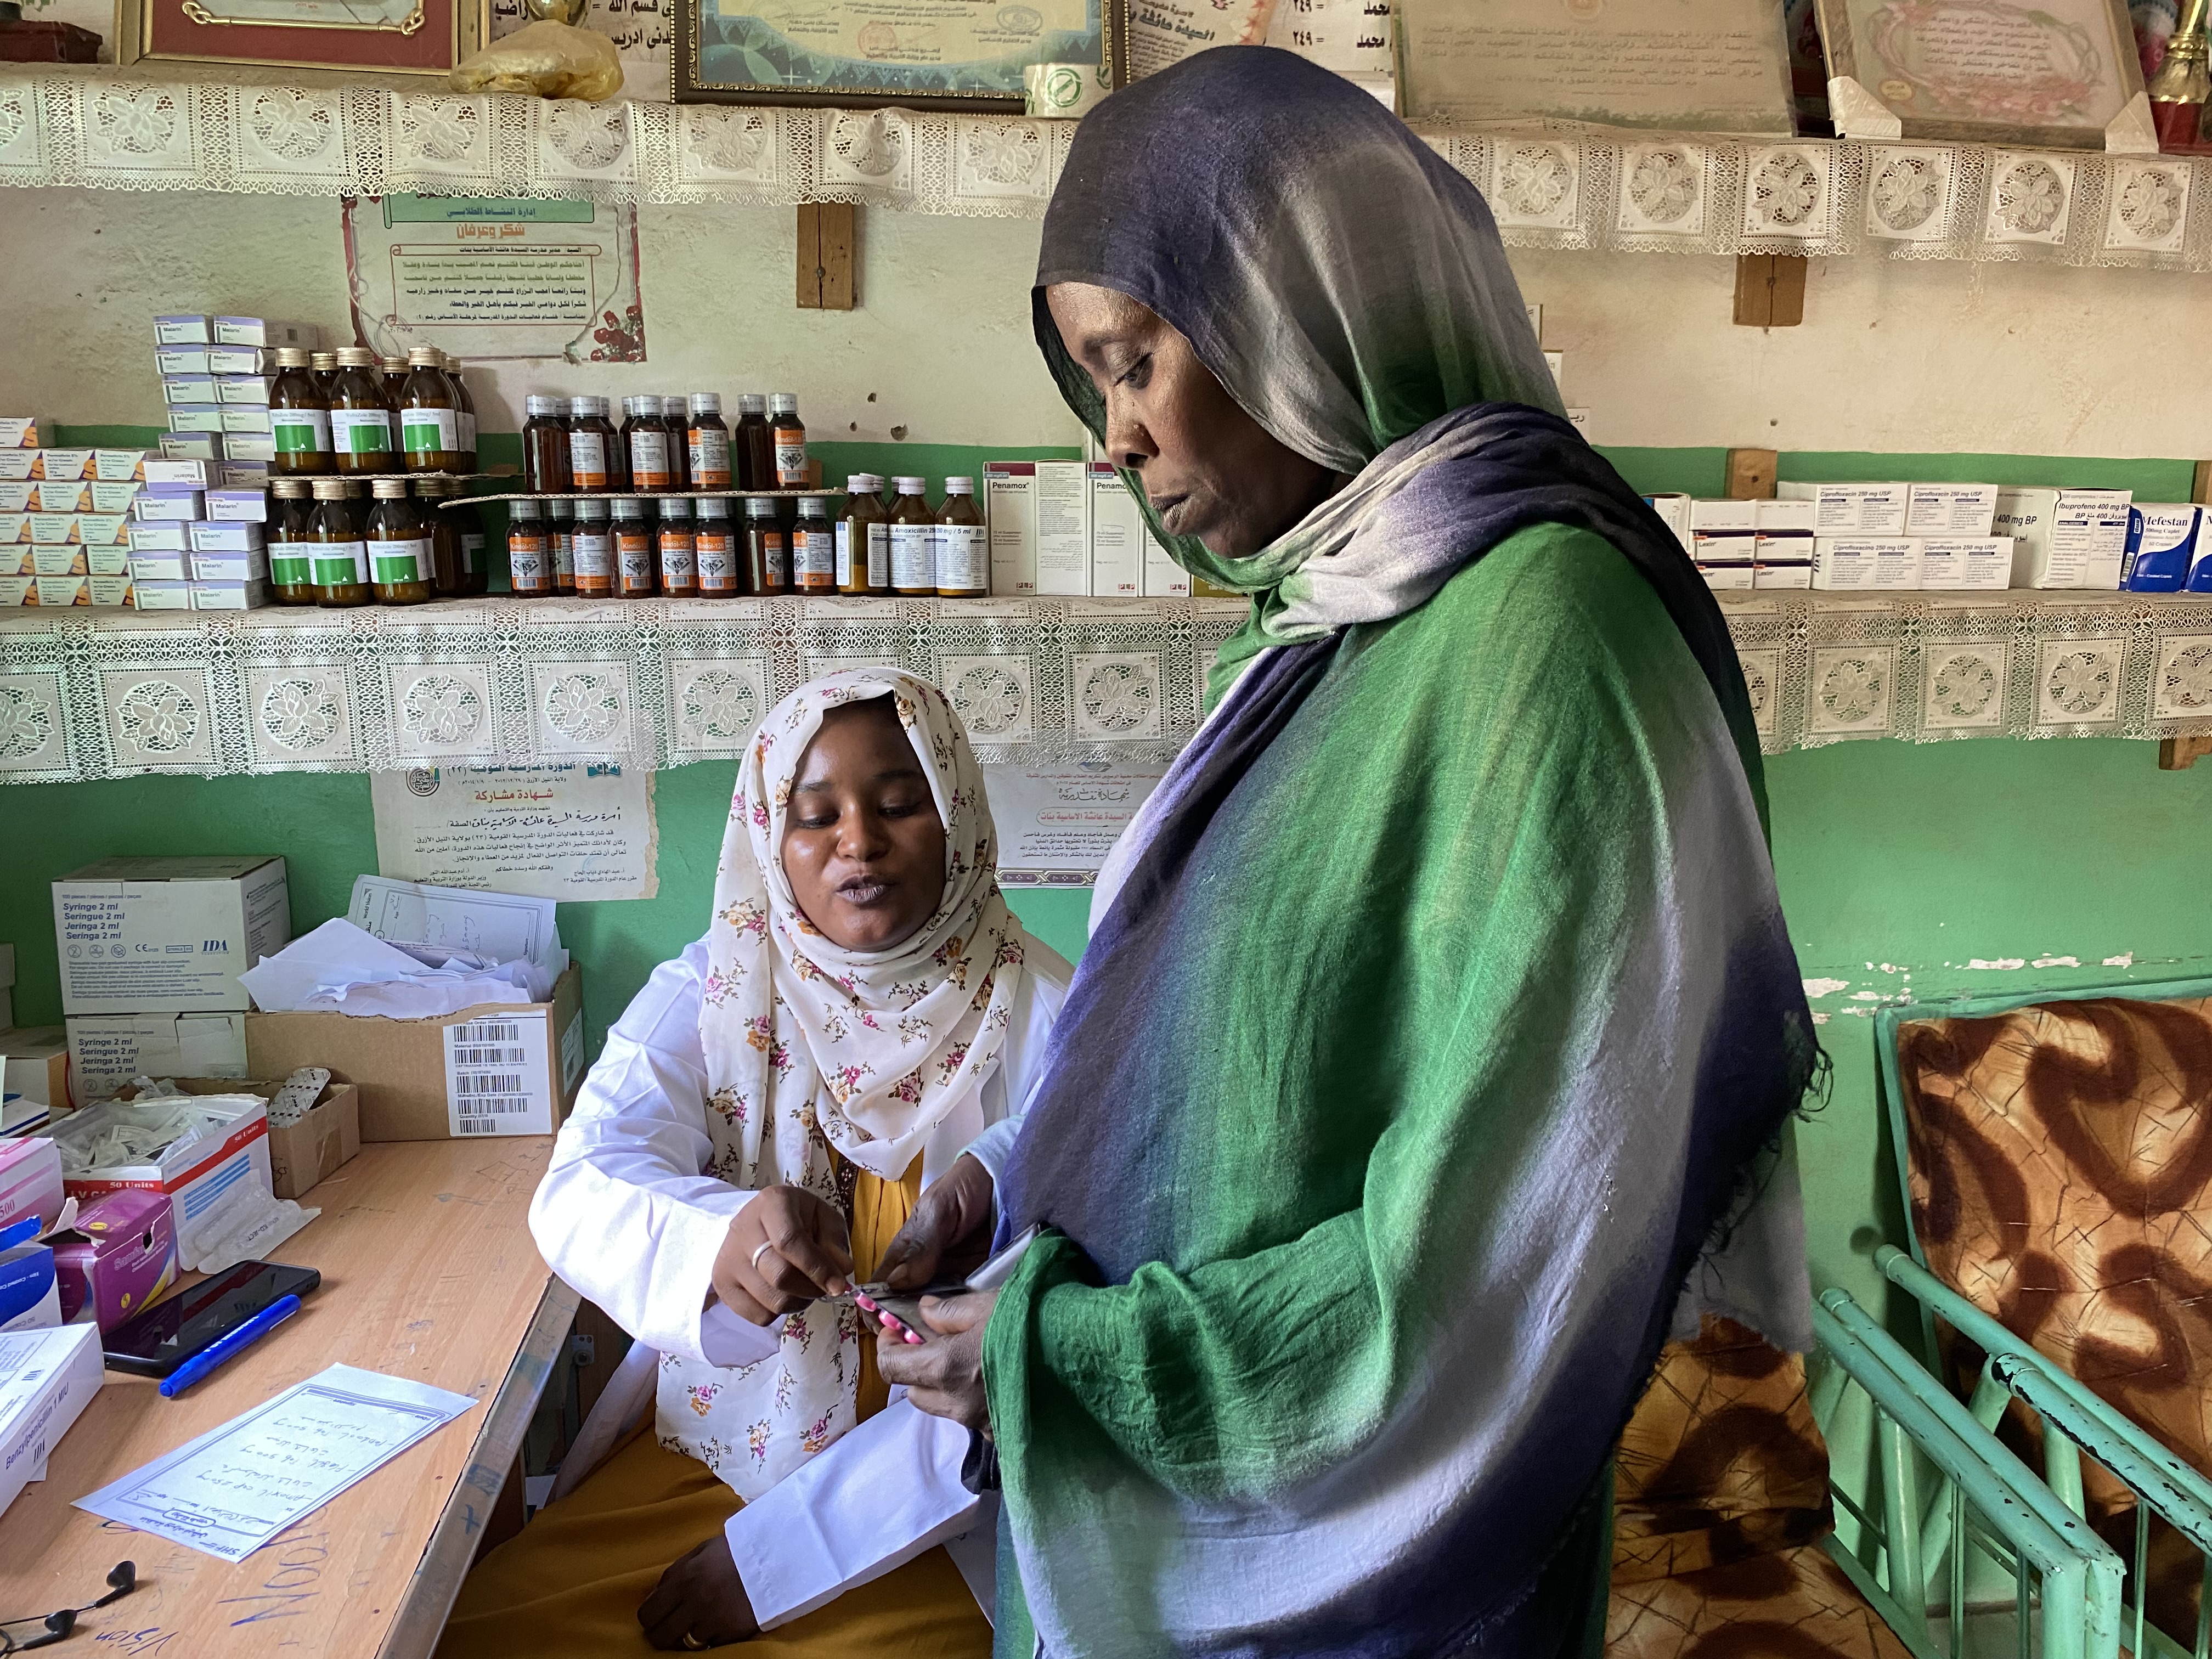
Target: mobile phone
172 1331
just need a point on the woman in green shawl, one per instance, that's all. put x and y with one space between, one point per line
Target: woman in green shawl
1438 1002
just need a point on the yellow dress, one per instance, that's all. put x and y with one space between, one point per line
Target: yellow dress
569 1584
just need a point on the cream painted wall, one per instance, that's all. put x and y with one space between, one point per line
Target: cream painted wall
1894 355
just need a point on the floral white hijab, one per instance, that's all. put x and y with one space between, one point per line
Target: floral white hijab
810 1046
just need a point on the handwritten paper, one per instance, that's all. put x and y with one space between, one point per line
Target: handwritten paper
1056 824
494 277
237 1486
1701 65
579 831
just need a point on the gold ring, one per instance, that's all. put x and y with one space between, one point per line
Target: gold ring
762 1249
692 1643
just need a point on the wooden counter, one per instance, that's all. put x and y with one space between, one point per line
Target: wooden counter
428 1273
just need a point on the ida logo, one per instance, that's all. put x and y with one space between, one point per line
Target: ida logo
215 946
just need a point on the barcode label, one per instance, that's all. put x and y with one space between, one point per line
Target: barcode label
499 1077
489 1056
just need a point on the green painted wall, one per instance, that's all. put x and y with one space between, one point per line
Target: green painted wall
1901 865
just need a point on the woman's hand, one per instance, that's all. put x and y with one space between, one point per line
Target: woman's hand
785 1248
944 1376
699 1598
949 1232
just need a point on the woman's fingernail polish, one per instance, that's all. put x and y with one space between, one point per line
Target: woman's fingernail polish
915 1339
865 1301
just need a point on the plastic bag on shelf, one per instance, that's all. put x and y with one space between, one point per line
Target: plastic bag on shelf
551 60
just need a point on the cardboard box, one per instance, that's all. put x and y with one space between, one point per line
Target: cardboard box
30 1180
1710 548
163 568
178 389
111 590
224 536
184 331
159 535
48 561
109 1052
1063 527
241 359
17 465
52 1376
1966 564
34 1076
180 360
203 1177
1782 574
61 463
70 495
195 417
169 503
1729 578
2065 537
119 1255
247 475
141 935
204 446
1865 563
15 498
1851 509
228 595
25 432
16 590
232 568
300 1154
1723 514
30 1297
248 418
1674 510
1955 511
1163 578
160 595
253 448
192 473
251 390
247 505
1117 536
1782 517
2162 547
1009 506
15 529
264 331
60 593
488 1070
102 529
119 466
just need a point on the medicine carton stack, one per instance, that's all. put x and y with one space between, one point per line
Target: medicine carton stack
1072 528
197 543
63 514
1956 537
150 951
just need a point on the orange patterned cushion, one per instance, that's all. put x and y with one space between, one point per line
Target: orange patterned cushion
1722 1459
1794 1605
2060 1170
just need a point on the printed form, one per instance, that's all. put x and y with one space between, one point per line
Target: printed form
239 1484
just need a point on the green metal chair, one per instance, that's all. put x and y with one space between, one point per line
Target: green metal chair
2072 1418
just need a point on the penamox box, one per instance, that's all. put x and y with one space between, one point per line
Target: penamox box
119 1256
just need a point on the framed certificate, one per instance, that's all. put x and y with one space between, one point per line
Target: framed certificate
2048 73
927 54
408 37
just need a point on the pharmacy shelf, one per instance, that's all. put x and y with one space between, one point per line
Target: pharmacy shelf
105 129
631 492
501 681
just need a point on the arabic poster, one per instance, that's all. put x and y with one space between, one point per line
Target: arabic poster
1056 824
494 277
580 831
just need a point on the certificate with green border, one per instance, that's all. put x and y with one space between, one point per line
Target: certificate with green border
942 54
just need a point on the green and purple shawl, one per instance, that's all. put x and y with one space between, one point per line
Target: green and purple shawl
1439 999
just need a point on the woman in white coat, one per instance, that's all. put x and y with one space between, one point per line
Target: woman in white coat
863 1010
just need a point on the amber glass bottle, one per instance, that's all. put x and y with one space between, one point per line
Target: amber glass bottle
442 524
467 406
963 545
813 549
789 433
679 422
634 555
913 540
395 377
340 563
429 415
707 443
755 444
561 532
398 546
864 544
529 551
768 563
678 547
646 443
594 541
324 366
361 418
594 447
298 417
545 447
291 557
720 567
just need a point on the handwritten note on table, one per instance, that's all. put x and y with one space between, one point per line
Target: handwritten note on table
238 1485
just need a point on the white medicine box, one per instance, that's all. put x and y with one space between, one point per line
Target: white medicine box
1117 536
148 935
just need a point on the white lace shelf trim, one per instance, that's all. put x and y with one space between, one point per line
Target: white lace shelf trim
106 129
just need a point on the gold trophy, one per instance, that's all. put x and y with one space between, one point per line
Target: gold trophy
2183 84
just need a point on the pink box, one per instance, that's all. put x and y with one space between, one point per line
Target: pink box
30 1180
119 1256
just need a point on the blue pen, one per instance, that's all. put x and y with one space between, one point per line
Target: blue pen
229 1346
